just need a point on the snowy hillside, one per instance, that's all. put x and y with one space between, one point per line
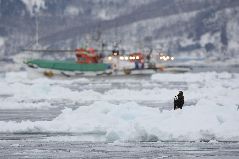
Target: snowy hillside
199 28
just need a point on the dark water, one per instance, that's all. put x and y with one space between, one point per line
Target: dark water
36 148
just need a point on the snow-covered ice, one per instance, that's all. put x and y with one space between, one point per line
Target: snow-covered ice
210 112
131 122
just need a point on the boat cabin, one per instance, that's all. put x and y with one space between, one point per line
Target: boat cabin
86 56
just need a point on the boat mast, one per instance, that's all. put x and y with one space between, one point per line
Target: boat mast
37 32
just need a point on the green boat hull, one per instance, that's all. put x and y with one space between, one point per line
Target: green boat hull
67 65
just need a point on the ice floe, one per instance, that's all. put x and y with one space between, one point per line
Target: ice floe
131 122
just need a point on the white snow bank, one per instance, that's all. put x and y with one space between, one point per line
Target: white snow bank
15 77
18 85
159 94
11 77
48 91
204 121
222 88
213 117
191 77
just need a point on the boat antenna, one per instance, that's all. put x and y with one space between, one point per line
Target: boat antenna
103 45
